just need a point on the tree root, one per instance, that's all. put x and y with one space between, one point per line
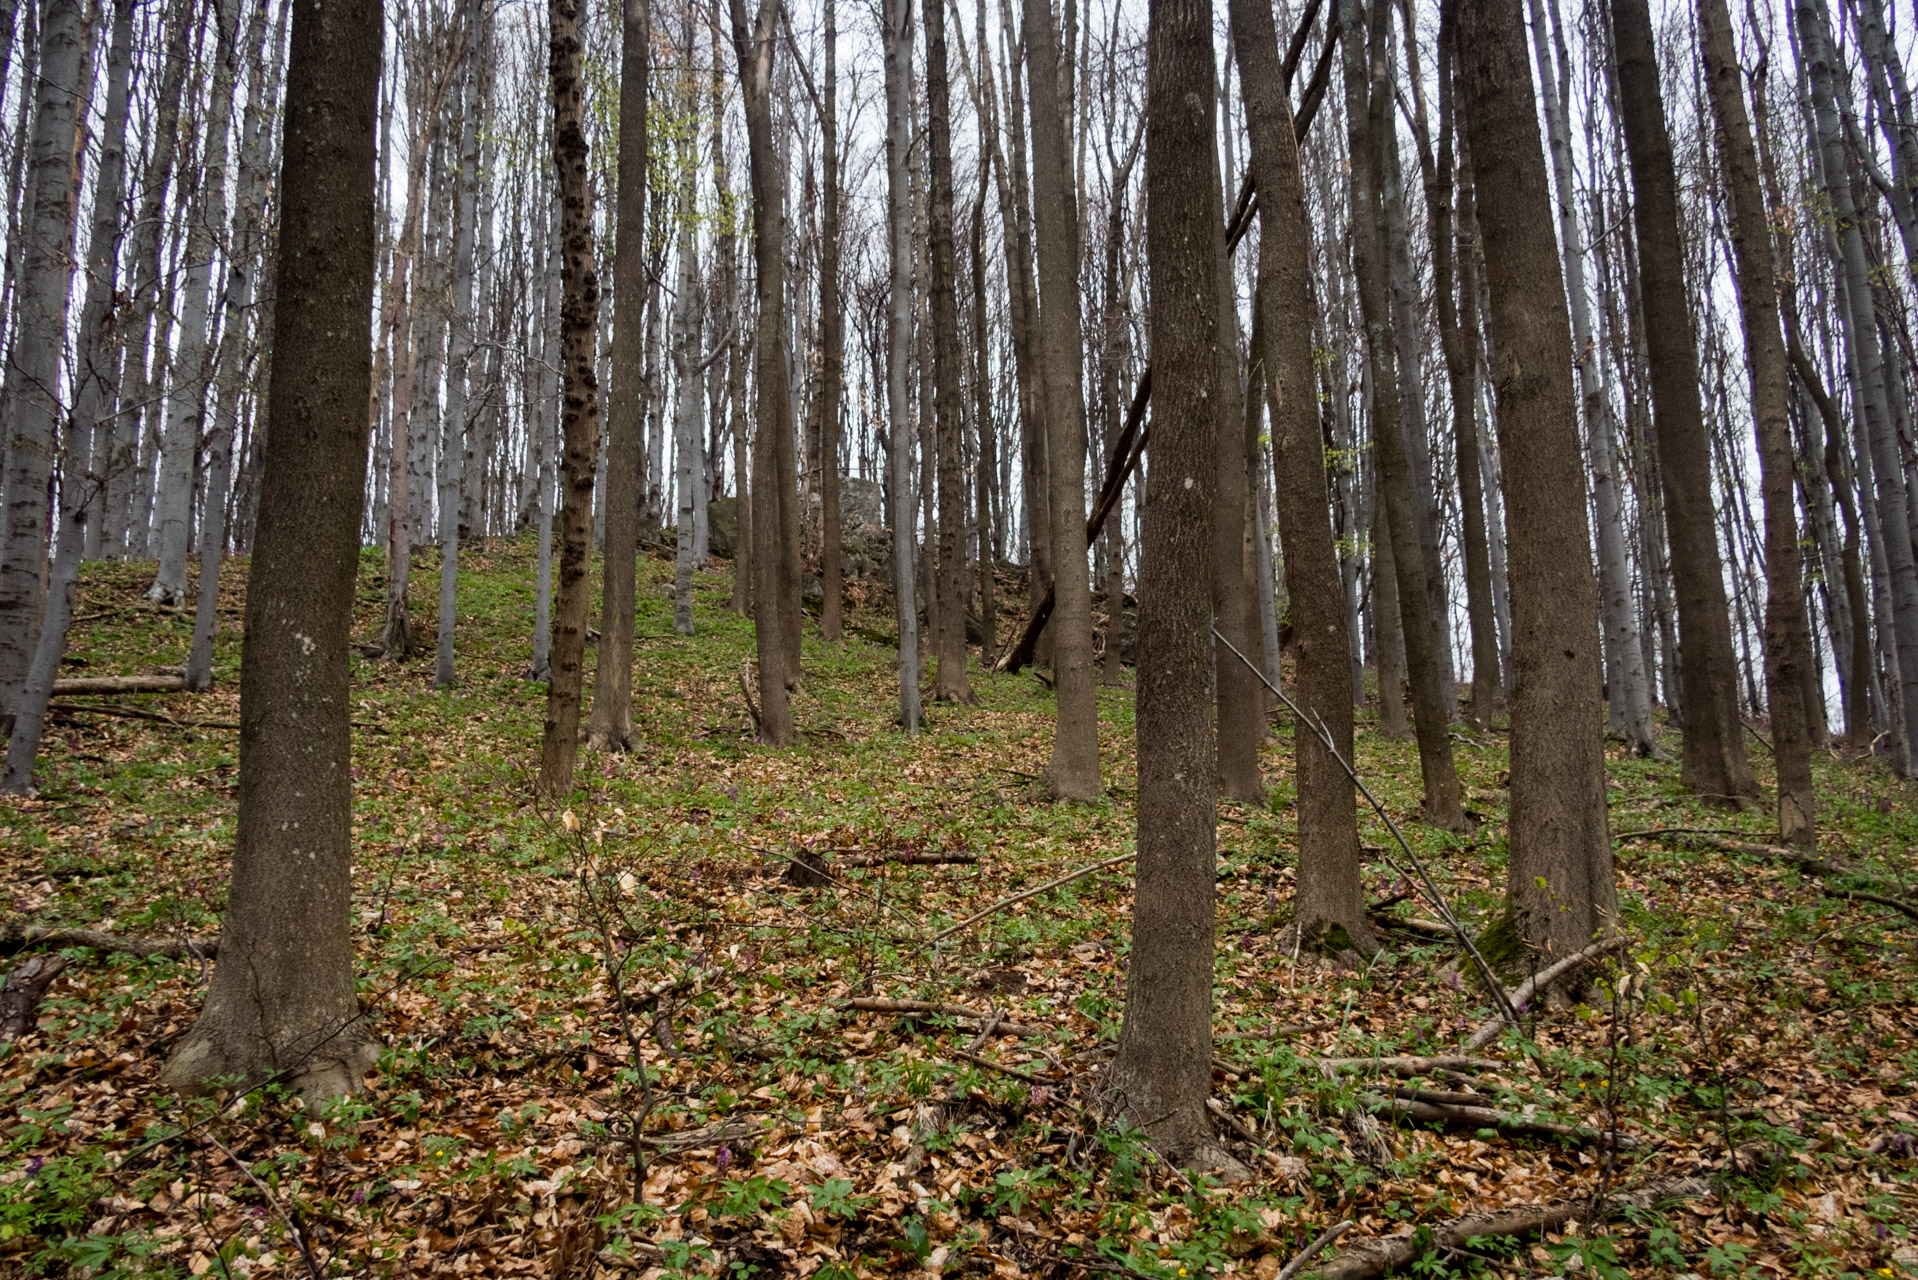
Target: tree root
24 988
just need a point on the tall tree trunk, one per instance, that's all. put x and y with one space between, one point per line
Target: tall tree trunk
1162 1074
775 480
246 251
897 18
282 995
192 372
987 560
1331 897
1713 763
610 727
1787 633
950 683
552 305
462 323
45 268
1368 103
95 375
832 347
1240 709
1560 885
579 401
1015 210
1074 771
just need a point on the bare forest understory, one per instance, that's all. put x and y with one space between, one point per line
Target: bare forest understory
757 957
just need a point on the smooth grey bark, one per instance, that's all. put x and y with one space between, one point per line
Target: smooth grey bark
192 369
33 372
245 254
689 386
547 435
461 325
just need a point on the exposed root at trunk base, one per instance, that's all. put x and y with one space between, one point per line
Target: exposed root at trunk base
204 1062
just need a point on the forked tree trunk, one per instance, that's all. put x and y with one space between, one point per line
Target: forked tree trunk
1560 885
1330 896
282 999
611 725
1713 761
775 521
1074 770
1787 633
579 401
1162 1074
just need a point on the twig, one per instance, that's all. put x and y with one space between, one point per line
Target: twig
299 1237
1317 725
1488 1031
1313 1250
990 1065
1003 903
1904 907
131 713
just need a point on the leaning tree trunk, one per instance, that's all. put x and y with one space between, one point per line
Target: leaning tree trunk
1074 770
775 518
949 637
1713 762
611 726
1560 885
45 267
1331 896
898 36
579 411
1787 633
1161 1077
282 1001
186 400
95 375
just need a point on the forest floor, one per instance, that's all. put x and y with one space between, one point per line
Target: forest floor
1760 1032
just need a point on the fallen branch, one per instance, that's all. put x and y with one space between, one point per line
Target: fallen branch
931 1008
1016 898
1314 1249
119 684
1463 1116
905 859
1408 1065
1376 1256
990 1065
134 713
18 938
24 987
1413 924
1894 903
1538 982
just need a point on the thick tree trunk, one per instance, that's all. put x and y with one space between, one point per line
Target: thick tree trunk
775 520
282 998
1560 885
1074 770
579 403
1330 897
1787 633
1713 763
610 727
1162 1075
950 683
898 37
1368 103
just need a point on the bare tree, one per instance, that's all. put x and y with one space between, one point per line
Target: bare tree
897 20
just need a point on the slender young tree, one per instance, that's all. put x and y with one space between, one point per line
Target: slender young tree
1560 885
579 402
1787 632
1074 772
1161 1076
832 344
1331 895
282 999
610 727
1713 761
